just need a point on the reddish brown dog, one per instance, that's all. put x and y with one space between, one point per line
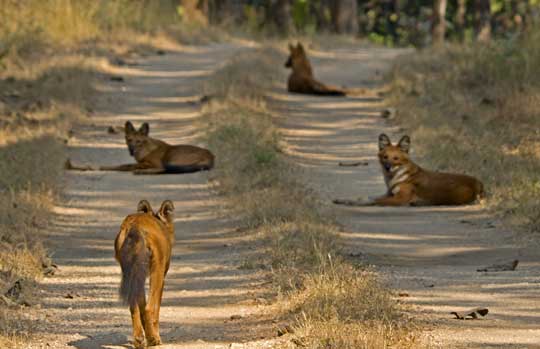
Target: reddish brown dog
154 156
143 249
409 184
302 79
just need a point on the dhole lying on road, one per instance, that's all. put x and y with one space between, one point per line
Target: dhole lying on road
143 249
154 156
409 184
302 79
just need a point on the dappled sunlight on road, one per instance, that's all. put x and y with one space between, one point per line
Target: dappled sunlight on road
204 286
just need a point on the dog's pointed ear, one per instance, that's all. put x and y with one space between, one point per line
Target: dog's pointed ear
405 143
384 141
291 47
145 129
165 211
128 127
144 207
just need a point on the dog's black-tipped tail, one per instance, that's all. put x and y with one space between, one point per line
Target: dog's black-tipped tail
134 259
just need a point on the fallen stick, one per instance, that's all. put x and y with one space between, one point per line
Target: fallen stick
470 314
509 266
353 164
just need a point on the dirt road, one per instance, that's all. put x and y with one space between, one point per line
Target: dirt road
430 253
204 287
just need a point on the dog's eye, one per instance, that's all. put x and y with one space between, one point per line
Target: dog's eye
386 157
396 158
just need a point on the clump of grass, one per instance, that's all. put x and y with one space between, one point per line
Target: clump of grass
30 172
315 285
474 109
344 307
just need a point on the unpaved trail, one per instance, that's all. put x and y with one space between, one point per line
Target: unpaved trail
430 253
204 286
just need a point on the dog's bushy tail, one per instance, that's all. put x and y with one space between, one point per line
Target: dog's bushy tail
326 90
134 260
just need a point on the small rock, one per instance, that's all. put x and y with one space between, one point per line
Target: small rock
236 317
487 101
389 113
356 254
160 52
118 61
403 294
117 78
114 129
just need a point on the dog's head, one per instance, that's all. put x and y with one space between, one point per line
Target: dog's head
136 139
393 156
297 55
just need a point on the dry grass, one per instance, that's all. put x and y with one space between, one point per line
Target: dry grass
31 28
330 303
476 110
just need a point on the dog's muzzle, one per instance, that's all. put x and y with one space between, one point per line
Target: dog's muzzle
288 64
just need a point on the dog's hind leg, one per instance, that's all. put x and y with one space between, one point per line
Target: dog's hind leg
138 325
152 308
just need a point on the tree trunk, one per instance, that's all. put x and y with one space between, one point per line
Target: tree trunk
278 14
438 26
223 11
344 16
483 20
321 10
460 19
203 6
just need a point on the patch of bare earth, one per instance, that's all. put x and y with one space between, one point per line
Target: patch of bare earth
208 302
429 254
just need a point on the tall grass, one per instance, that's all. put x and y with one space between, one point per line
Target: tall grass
28 25
330 303
475 109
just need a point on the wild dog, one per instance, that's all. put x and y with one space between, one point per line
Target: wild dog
302 79
409 184
154 156
143 249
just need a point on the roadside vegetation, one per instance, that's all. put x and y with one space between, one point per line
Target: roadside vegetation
329 302
474 109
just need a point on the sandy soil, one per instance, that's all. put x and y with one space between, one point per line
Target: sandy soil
429 253
204 287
